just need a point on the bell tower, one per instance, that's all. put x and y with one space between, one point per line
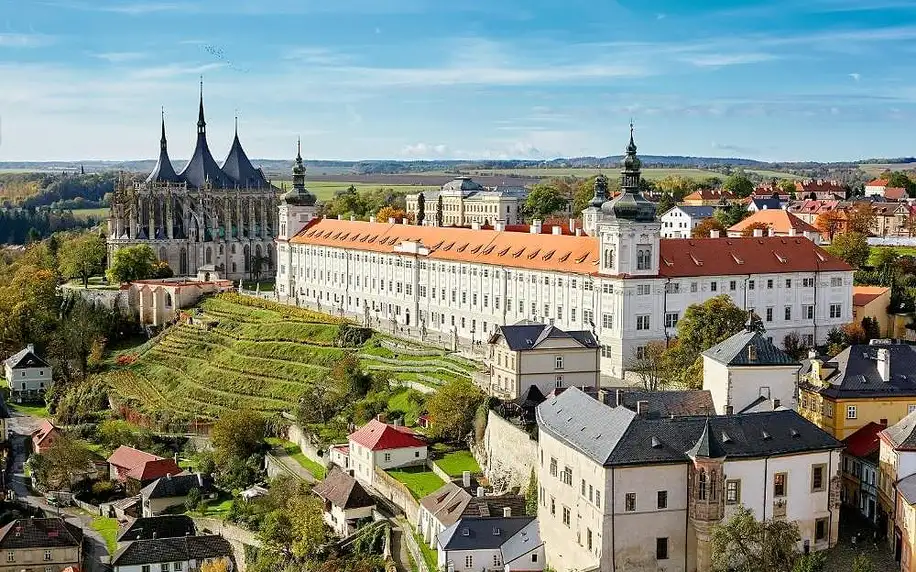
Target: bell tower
297 206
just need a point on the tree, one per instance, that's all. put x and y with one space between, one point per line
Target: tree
217 565
545 199
421 208
349 378
665 203
677 187
854 333
871 328
829 223
901 180
193 500
759 225
792 344
57 467
439 209
387 213
813 562
703 229
738 185
531 495
452 408
861 218
744 544
238 433
786 187
852 247
884 258
132 263
732 214
82 257
651 364
703 326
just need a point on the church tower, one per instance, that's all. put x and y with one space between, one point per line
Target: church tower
297 206
627 230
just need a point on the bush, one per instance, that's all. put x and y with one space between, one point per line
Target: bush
102 489
194 499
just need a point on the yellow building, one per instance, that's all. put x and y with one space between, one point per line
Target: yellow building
862 384
872 302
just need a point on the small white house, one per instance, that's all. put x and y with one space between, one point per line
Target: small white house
346 502
679 221
27 375
384 446
180 554
494 543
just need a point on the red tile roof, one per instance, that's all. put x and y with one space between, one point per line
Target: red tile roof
708 195
45 430
895 193
141 465
819 186
865 440
378 436
777 219
862 295
128 457
877 183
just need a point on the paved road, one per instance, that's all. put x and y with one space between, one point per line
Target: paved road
20 427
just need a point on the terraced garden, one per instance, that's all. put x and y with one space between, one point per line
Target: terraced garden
249 353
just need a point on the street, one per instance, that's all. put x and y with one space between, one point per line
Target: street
20 428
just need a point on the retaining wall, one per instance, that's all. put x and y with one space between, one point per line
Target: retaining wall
238 537
507 456
389 488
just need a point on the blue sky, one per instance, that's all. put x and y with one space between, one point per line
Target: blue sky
405 79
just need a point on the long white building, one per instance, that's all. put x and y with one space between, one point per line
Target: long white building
616 276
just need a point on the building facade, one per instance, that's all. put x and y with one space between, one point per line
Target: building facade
618 278
377 445
679 221
27 375
41 544
206 216
463 202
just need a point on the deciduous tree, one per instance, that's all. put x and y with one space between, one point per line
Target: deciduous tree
702 326
387 213
744 544
851 247
547 198
738 185
703 229
861 218
238 433
132 263
829 223
82 256
759 225
651 364
452 409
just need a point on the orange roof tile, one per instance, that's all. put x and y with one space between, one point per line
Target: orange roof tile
877 183
862 295
754 255
708 195
777 219
895 193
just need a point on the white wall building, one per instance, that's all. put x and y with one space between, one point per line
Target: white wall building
465 201
507 543
346 502
628 492
679 221
384 446
180 554
457 285
27 374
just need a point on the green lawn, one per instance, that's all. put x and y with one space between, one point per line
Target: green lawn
252 285
215 508
31 409
900 250
108 528
97 214
418 480
325 190
317 469
454 464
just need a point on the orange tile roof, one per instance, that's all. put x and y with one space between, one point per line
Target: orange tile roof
777 219
862 295
707 195
877 183
895 193
573 254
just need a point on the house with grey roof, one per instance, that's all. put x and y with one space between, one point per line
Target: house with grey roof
537 354
747 372
187 553
27 374
679 221
464 201
510 543
171 490
346 502
623 490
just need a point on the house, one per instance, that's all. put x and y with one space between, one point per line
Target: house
169 491
534 354
384 446
509 543
183 554
136 468
893 219
680 220
158 301
165 526
861 384
778 223
623 491
668 403
873 302
339 455
820 190
40 544
897 489
860 471
747 372
346 502
27 375
465 201
44 436
876 187
708 198
809 209
458 499
772 202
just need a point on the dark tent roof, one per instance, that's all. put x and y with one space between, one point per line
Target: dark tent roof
240 168
202 168
163 172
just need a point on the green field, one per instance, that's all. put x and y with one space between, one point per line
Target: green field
875 169
247 353
97 214
325 190
900 250
454 464
108 530
418 480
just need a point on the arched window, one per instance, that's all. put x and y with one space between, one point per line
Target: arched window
163 255
609 258
183 262
246 253
208 256
168 300
701 484
712 485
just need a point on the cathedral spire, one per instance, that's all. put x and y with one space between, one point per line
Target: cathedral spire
201 123
162 141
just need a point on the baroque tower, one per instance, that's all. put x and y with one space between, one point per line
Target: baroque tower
297 209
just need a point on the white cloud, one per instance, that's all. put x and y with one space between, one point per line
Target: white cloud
121 57
424 151
13 40
722 60
855 76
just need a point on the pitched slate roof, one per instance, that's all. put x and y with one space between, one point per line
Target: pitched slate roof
239 167
901 434
521 543
481 533
907 488
378 436
528 335
25 358
165 526
865 441
695 211
173 486
617 436
163 172
39 533
140 552
748 348
451 502
661 403
707 446
854 372
766 203
342 490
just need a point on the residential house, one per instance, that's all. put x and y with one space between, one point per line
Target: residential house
626 492
875 187
458 499
861 384
680 220
378 445
860 471
339 455
810 209
182 554
895 194
164 526
507 543
897 489
778 223
36 544
773 202
708 198
873 302
44 436
747 372
820 190
27 375
534 354
893 219
170 490
346 502
136 468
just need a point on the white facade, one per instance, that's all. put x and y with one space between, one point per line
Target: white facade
679 222
30 378
465 202
364 461
172 566
735 387
336 517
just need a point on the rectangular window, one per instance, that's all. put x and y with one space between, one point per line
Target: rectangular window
177 566
643 289
10 556
769 314
642 322
559 362
566 516
817 478
733 491
387 457
607 320
788 282
661 499
733 285
836 281
47 554
630 502
836 310
566 476
808 312
673 288
583 487
820 530
661 549
750 284
164 567
807 282
770 284
779 484
588 538
713 286
671 319
693 286
851 412
553 467
597 498
469 561
553 506
788 313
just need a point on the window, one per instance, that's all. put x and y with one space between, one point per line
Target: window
642 322
177 566
48 555
10 556
671 319
779 485
836 310
851 412
673 288
693 286
769 314
553 506
836 281
607 320
643 289
559 381
788 282
733 285
553 467
164 567
817 478
788 313
566 516
559 362
713 286
661 549
630 502
534 557
808 312
807 282
566 476
597 498
387 457
496 562
820 529
583 487
144 568
469 561
770 284
750 284
588 538
732 491
701 484
661 499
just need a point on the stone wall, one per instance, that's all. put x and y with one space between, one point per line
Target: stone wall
296 435
508 454
238 537
398 494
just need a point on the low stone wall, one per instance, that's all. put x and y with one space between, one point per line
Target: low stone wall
389 488
296 435
238 537
892 241
439 472
508 454
89 507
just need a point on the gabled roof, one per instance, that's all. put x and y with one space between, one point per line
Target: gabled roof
25 358
39 533
44 430
907 488
378 436
451 502
528 335
694 211
708 195
174 486
343 491
141 465
661 403
877 183
748 348
854 372
165 526
902 435
522 543
865 441
895 193
863 295
766 203
781 221
482 533
140 552
239 167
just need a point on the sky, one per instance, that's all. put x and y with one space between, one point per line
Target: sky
821 80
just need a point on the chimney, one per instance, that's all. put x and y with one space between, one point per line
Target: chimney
475 225
507 512
618 398
372 219
884 364
381 417
557 230
812 353
154 535
392 220
499 225
793 232
340 217
405 221
714 233
771 231
642 407
758 232
572 224
31 348
481 492
352 218
729 409
466 479
535 227
578 232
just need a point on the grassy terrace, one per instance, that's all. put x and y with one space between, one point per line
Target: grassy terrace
419 480
454 464
255 354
